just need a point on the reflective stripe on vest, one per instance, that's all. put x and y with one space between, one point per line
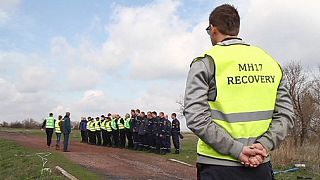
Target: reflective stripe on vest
114 124
120 125
247 80
108 126
97 126
127 123
57 127
50 122
103 124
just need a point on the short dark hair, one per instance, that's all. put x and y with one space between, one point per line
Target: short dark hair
50 114
174 114
138 111
226 18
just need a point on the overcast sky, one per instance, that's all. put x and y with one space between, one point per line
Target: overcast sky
95 57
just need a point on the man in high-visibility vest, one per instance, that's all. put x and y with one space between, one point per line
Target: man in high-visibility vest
49 125
115 131
128 127
57 127
109 131
236 102
98 130
92 130
103 130
122 131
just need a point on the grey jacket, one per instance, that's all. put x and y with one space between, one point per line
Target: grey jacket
201 87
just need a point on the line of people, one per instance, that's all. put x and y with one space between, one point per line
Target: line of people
138 131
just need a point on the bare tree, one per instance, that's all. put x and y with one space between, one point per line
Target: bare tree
302 92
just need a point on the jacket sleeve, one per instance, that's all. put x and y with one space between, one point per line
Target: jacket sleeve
282 119
197 110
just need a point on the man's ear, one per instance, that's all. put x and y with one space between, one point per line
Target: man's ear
215 30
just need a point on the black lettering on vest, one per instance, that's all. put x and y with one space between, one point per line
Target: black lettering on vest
272 77
256 78
250 67
230 80
262 79
268 79
250 79
244 79
242 68
238 80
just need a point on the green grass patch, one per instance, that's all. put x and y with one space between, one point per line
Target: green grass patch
18 162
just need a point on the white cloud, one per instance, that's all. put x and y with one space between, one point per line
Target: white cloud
8 8
287 30
36 78
83 78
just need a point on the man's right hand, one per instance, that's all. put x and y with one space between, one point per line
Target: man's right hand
252 156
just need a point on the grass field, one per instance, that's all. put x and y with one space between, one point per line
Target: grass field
281 161
18 162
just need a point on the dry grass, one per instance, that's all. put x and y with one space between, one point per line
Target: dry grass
289 154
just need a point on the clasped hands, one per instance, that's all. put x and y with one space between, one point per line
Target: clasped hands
254 155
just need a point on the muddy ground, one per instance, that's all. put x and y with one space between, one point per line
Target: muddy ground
112 163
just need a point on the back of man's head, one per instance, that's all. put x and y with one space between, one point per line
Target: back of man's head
226 19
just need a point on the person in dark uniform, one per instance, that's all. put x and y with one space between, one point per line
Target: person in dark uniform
136 125
154 132
149 131
122 131
142 132
83 130
175 131
160 133
167 133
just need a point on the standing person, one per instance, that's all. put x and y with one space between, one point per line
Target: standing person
98 131
154 132
128 126
83 129
160 133
66 129
175 132
115 131
135 128
57 127
148 135
49 124
167 128
92 136
142 132
236 102
103 130
122 131
109 131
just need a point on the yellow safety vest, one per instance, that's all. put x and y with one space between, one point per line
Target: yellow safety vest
50 122
120 125
247 81
97 126
108 126
103 124
92 126
57 127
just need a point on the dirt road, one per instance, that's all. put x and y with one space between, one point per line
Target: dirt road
113 163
